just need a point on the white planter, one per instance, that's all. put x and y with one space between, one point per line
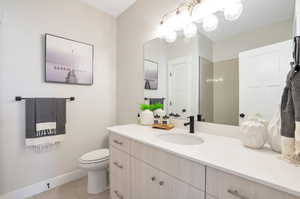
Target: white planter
147 117
254 133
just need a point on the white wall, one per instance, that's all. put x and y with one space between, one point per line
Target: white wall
231 47
22 72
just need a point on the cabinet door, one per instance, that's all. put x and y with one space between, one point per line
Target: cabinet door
194 193
144 180
171 188
119 174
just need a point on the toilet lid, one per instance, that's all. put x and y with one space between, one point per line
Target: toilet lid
97 155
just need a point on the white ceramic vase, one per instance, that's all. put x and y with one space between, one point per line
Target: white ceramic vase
147 117
254 131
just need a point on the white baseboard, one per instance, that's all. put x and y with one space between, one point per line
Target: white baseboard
42 186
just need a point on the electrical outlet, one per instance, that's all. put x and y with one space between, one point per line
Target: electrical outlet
48 185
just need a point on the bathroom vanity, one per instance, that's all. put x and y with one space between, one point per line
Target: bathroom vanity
144 164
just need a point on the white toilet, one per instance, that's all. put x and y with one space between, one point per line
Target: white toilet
96 163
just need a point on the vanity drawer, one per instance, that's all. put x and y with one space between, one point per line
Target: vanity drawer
183 169
119 174
119 142
226 186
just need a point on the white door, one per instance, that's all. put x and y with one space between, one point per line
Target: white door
262 76
182 87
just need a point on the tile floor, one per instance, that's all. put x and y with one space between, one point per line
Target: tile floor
72 190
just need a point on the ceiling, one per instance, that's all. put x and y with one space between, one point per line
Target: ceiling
112 7
256 14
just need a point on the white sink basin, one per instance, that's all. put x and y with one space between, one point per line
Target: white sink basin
181 139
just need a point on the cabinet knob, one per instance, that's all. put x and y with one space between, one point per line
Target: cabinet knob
161 183
118 194
118 165
236 194
153 178
118 142
242 115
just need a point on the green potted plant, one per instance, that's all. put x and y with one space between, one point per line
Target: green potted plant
147 116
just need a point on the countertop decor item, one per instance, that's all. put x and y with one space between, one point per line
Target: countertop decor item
254 131
159 112
163 126
274 136
157 119
166 120
147 117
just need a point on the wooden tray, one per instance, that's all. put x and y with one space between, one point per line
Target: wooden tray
163 126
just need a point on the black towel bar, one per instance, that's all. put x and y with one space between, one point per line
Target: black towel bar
19 98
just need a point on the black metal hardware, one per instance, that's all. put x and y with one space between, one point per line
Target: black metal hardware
183 110
200 118
146 98
191 123
242 115
19 98
296 53
174 115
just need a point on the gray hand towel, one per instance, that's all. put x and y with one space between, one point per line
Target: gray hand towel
45 121
156 100
290 116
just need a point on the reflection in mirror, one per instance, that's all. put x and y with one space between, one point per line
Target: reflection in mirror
236 71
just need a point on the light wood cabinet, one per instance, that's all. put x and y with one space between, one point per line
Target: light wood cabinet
222 185
151 183
119 142
183 169
119 174
139 171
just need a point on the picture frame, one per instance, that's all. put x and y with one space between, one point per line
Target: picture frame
150 75
68 61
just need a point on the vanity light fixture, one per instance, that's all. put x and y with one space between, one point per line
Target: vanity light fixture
187 14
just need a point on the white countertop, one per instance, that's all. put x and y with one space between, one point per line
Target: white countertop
226 154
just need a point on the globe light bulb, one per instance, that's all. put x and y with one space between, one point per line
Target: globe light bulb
205 9
177 21
199 12
190 30
210 23
233 11
171 36
161 30
174 22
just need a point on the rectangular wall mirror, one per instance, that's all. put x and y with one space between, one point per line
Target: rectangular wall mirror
235 71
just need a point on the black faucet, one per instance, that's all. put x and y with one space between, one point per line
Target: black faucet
191 123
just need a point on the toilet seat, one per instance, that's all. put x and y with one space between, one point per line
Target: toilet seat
96 156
